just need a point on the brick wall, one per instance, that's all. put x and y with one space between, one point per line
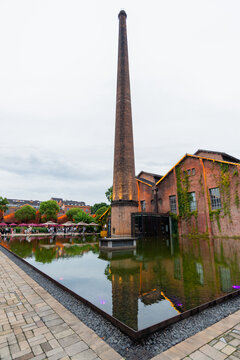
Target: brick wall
206 175
145 193
86 208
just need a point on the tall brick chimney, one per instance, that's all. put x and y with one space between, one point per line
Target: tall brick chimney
124 183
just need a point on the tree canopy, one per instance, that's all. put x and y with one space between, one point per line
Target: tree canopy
3 206
26 213
97 206
72 213
49 209
82 216
102 214
109 194
102 210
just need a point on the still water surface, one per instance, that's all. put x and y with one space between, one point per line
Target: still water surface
157 281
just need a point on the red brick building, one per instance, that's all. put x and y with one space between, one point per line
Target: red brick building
146 190
16 204
66 205
201 191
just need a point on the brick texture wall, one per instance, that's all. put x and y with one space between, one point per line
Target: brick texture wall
206 175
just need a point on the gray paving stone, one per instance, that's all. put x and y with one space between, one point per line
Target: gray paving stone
76 348
57 356
69 340
39 357
46 346
197 355
212 352
86 355
54 322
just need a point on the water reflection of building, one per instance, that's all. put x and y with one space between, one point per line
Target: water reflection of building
227 253
195 273
125 291
187 274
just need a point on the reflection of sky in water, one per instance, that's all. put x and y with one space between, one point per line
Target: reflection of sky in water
84 275
149 314
147 287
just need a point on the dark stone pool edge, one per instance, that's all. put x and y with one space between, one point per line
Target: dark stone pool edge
146 348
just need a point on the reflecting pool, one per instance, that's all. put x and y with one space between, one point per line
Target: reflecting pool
141 287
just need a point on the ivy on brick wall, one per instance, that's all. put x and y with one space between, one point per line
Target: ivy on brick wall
225 182
236 196
184 197
224 185
215 215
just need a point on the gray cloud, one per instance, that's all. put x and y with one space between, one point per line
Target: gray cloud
58 89
34 173
35 162
34 165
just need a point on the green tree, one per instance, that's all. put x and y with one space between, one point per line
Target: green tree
97 206
72 213
26 213
82 216
23 249
104 210
3 206
49 209
109 194
45 255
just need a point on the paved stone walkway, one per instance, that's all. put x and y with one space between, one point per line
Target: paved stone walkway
33 325
219 341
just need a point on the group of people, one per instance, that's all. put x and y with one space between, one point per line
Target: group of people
66 229
7 230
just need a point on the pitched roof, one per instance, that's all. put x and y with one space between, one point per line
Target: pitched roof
197 157
18 202
74 202
147 182
153 175
225 156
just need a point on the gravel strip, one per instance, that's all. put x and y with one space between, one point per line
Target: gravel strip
146 348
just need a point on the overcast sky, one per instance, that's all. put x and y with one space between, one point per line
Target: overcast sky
58 66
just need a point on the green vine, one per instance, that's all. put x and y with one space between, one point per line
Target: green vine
215 215
224 185
235 173
236 198
184 197
173 216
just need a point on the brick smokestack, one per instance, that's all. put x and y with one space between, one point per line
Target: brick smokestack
124 182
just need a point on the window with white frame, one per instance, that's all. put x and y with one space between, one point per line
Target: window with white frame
193 201
215 198
173 204
143 205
